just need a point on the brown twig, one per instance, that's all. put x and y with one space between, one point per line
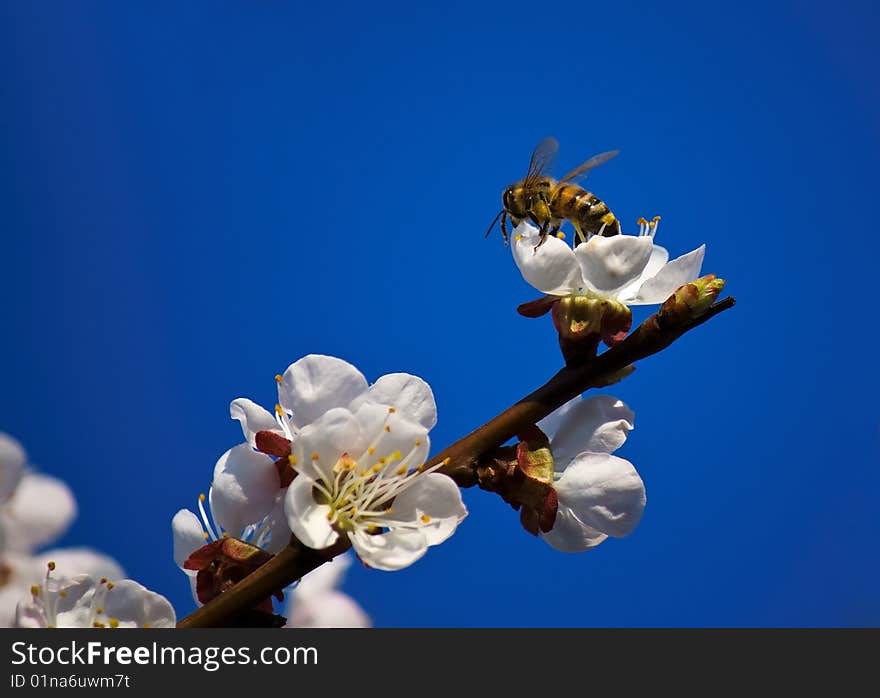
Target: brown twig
652 336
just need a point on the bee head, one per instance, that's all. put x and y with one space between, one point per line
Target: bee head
514 201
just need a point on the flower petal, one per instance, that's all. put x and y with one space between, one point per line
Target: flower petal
134 606
433 505
324 578
244 488
604 492
71 562
599 424
321 443
252 418
409 395
317 383
12 460
610 264
326 609
570 535
188 534
276 532
390 438
389 551
552 268
659 257
306 518
39 512
676 273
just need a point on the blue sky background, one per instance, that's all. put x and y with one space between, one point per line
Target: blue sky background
194 195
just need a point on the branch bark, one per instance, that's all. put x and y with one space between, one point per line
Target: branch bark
653 335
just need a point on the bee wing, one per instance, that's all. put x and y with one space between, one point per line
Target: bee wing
542 157
594 161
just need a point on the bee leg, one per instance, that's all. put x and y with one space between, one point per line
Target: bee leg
504 229
543 232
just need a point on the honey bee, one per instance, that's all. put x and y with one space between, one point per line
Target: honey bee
547 203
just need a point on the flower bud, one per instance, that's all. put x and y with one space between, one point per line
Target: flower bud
692 300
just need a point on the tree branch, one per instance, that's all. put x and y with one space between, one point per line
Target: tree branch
653 335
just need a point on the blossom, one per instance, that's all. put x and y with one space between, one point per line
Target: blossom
245 501
359 451
600 495
628 269
83 602
317 603
34 510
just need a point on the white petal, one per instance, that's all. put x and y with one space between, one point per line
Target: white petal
244 488
599 424
315 384
676 273
603 491
326 609
321 443
552 268
276 534
659 257
610 264
71 562
324 578
135 606
391 436
188 534
409 395
434 497
252 418
306 518
570 535
12 460
20 573
39 512
390 551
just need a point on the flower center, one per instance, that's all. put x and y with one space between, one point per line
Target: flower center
49 595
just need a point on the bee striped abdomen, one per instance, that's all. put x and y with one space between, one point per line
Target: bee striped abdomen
585 209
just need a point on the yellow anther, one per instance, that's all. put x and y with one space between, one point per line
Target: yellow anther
63 593
202 497
421 468
642 221
147 625
225 535
376 468
371 450
51 565
401 470
446 461
99 611
278 410
315 456
363 473
205 535
425 518
392 410
656 218
291 459
278 378
35 590
383 460
396 455
651 224
389 510
114 623
102 580
110 585
608 218
517 238
372 528
96 624
560 235
329 516
388 427
418 442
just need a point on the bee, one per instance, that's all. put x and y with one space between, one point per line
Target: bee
547 203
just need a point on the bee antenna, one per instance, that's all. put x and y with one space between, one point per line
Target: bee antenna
494 221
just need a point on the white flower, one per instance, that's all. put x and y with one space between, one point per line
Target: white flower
82 602
600 495
34 510
245 502
629 269
359 454
317 603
